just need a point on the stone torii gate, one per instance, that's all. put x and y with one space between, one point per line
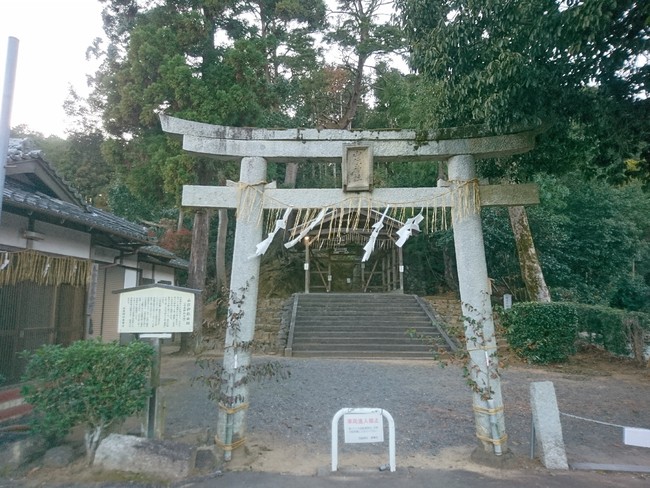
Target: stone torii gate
255 147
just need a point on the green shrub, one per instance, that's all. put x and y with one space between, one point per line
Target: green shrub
603 326
636 325
632 294
542 332
91 383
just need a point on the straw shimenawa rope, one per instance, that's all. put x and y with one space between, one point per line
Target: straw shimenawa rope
464 197
42 269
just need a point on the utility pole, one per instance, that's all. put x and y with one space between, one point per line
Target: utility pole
5 115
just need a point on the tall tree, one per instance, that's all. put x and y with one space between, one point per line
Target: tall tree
505 64
362 30
357 32
225 62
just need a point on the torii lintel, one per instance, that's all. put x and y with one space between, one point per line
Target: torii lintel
295 145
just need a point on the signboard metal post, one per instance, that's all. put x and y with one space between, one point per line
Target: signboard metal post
155 312
364 431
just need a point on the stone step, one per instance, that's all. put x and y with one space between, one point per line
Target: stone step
352 302
395 312
362 332
356 303
12 405
363 326
364 354
385 335
340 339
350 348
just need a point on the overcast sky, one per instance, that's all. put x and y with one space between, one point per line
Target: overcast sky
53 37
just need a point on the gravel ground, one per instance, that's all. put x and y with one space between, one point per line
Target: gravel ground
431 405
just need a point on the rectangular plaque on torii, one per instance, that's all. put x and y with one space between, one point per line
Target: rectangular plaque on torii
357 167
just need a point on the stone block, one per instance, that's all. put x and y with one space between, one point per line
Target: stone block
206 459
163 459
59 456
548 429
19 452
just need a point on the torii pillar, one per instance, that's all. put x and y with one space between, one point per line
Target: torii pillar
477 310
242 309
254 147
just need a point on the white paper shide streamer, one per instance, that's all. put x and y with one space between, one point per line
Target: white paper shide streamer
307 229
376 228
263 246
411 224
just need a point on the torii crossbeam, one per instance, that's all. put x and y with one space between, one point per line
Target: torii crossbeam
255 147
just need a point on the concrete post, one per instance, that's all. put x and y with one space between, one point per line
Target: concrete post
547 425
395 269
242 309
477 309
401 269
307 265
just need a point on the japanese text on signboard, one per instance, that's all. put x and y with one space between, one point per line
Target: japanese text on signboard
156 313
363 427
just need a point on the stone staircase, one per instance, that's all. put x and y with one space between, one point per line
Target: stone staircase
368 325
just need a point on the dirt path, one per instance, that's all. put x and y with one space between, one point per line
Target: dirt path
288 422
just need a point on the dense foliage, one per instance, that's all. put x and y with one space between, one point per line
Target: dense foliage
578 67
592 241
88 383
546 333
542 333
575 66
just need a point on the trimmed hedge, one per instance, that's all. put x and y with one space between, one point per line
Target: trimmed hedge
603 326
547 332
542 333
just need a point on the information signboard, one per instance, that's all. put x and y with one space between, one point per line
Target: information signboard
156 309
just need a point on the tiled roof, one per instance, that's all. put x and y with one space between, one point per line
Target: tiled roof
21 152
22 149
17 195
163 255
34 189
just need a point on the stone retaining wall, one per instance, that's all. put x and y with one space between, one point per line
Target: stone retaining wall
448 307
270 313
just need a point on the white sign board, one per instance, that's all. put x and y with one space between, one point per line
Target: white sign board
156 309
636 437
363 427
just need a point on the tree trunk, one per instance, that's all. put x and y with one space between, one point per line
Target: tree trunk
531 271
451 278
179 224
357 91
196 277
92 437
220 255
